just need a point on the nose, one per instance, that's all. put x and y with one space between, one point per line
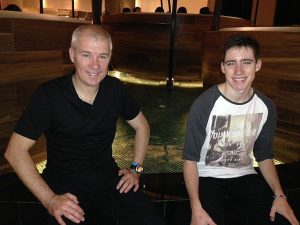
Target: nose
95 63
238 68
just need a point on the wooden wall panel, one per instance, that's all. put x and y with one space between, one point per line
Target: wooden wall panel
24 71
6 42
31 56
7 97
43 35
142 42
5 25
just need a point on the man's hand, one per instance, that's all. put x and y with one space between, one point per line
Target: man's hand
65 205
201 218
129 180
281 206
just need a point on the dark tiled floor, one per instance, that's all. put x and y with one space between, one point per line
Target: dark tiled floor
18 206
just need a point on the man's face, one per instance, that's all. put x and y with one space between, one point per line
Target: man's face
239 67
91 56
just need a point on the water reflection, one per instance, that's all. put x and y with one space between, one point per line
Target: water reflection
166 112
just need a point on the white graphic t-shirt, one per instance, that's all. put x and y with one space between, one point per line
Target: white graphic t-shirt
222 135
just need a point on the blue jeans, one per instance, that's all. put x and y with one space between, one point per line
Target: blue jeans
248 199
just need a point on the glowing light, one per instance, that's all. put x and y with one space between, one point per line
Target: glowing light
138 3
277 162
129 78
41 166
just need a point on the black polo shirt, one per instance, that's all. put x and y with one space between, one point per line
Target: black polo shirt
79 135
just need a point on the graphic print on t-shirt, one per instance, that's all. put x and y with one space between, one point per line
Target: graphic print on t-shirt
231 139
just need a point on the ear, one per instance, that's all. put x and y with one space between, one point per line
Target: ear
71 53
222 67
258 65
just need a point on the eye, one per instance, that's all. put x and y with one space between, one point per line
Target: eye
85 55
247 62
229 63
103 57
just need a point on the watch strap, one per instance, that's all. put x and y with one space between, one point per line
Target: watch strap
136 167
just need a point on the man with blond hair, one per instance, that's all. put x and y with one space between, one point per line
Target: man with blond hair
78 113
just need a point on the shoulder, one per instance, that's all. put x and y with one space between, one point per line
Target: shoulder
112 85
56 83
208 97
210 93
54 89
204 104
266 100
112 81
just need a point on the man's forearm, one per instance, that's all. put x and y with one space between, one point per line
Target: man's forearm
191 178
29 175
269 172
141 145
142 134
18 156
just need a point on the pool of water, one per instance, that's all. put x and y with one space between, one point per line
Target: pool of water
166 112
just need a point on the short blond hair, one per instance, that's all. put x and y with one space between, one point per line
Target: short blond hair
95 31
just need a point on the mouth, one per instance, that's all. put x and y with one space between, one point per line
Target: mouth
239 79
93 74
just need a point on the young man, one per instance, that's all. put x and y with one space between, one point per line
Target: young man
77 114
228 125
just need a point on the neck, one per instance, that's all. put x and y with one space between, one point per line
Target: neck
235 96
85 93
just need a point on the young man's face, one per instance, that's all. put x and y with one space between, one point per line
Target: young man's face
91 57
239 67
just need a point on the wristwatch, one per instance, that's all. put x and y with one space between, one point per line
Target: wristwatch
137 168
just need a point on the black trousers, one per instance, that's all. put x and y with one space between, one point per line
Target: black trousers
247 199
102 203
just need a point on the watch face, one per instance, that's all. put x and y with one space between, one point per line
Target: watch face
139 169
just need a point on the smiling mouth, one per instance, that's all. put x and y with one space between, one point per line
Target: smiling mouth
92 74
240 79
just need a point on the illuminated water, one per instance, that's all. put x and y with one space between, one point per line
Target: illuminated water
166 112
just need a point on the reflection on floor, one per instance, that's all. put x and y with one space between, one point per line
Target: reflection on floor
153 81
